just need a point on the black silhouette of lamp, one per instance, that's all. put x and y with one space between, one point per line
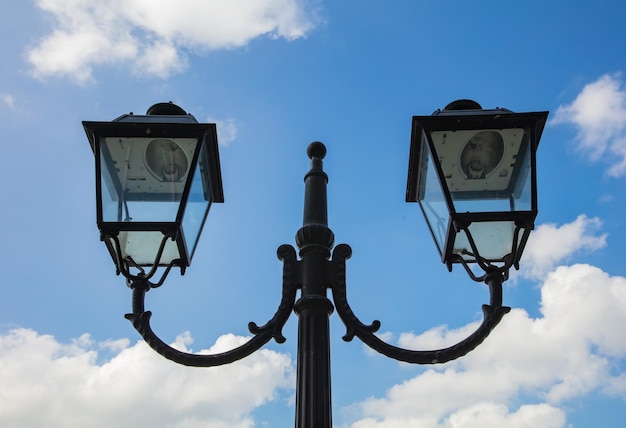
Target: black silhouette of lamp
156 178
473 172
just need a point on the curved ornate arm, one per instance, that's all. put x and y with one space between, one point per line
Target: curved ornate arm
273 329
493 313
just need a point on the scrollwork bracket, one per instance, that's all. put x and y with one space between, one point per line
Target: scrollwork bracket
492 315
140 319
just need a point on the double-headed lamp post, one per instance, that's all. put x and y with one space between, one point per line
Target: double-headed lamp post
472 171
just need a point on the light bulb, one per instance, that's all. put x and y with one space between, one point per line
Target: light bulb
482 154
166 160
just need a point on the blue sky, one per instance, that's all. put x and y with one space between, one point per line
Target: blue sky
275 75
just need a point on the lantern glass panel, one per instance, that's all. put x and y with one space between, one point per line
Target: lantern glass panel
486 170
142 247
494 240
144 178
198 203
433 201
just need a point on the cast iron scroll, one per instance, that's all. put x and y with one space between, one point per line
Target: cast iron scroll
492 314
263 334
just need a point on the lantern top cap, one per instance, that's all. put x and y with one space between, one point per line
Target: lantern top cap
159 113
465 107
165 109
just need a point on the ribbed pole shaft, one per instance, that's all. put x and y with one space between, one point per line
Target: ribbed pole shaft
314 240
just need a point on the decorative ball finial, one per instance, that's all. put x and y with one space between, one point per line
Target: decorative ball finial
316 150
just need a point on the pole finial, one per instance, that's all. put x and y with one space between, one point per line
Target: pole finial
316 150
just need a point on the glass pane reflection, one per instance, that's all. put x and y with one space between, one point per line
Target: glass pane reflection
494 240
143 246
486 170
197 207
433 202
143 179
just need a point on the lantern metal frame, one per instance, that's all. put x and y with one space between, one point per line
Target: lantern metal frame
321 267
167 121
467 115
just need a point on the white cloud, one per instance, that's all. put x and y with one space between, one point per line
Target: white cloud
550 244
8 100
226 130
484 415
617 386
48 383
575 347
599 113
491 415
153 36
160 59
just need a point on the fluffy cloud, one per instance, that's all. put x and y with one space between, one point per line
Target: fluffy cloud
8 100
550 244
226 130
599 113
48 383
484 415
572 349
153 36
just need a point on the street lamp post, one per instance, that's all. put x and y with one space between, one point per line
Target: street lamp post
471 170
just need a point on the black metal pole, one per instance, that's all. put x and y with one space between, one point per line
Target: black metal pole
314 240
